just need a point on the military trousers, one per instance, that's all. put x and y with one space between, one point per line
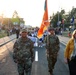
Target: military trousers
24 68
51 62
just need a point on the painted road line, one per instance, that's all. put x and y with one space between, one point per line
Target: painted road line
36 55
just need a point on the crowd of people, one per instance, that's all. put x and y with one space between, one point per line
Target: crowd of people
24 55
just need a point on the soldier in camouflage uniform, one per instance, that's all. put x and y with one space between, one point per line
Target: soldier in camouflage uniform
52 48
23 53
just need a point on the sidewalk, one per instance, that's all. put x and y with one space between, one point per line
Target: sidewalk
7 39
64 40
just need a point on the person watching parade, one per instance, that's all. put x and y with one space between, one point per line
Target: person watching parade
70 54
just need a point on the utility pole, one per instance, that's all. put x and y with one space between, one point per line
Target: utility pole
58 18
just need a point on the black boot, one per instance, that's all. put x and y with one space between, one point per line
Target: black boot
51 72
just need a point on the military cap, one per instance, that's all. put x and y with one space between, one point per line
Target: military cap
23 30
50 28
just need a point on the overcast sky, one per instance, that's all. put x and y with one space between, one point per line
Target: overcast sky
32 10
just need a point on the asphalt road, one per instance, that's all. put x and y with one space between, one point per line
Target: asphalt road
39 67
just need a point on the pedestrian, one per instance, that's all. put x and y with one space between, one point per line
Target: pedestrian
23 53
17 32
40 42
69 34
70 54
52 48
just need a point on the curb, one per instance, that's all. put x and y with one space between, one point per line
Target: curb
6 42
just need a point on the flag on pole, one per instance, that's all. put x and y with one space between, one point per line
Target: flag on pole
45 22
72 21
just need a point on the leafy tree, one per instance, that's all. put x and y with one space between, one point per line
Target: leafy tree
16 18
62 11
54 20
69 16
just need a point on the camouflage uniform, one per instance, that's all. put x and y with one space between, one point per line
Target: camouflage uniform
52 46
23 55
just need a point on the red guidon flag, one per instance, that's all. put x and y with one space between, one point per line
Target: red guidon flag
45 22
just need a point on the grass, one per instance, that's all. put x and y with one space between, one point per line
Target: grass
65 33
2 34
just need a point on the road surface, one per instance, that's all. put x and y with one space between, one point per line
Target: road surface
40 65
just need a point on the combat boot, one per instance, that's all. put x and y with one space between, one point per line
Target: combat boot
51 72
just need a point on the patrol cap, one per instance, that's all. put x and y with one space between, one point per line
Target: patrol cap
50 28
23 30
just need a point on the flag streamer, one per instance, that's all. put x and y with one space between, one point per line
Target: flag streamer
45 22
